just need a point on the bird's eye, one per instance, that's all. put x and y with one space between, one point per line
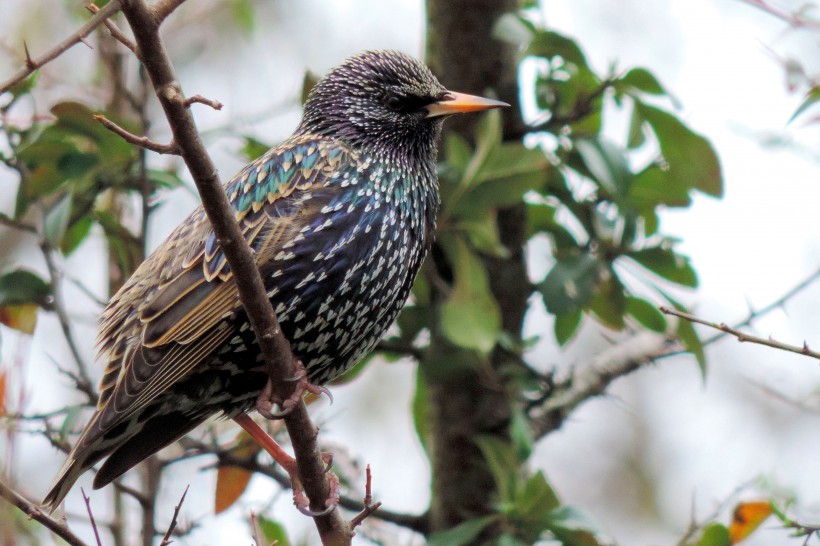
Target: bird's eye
394 103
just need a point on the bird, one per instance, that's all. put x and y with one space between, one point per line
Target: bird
340 217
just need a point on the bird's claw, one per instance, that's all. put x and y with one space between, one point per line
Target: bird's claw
302 503
265 403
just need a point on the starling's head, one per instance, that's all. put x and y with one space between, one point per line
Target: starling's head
385 102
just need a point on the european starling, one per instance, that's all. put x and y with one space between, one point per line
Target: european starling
340 217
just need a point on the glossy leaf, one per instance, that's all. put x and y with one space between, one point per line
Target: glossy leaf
470 316
714 534
504 465
549 44
566 325
646 313
608 304
643 80
607 165
571 528
812 97
693 162
22 286
56 220
76 234
421 410
571 283
463 534
666 263
273 531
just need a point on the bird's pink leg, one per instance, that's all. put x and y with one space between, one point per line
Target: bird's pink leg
289 465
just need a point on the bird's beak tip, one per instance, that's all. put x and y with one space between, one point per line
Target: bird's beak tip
461 103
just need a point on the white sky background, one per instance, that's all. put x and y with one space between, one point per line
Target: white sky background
636 460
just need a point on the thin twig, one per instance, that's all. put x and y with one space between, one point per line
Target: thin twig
91 517
742 336
163 9
141 141
256 530
215 104
369 507
33 511
776 304
55 275
33 64
116 33
166 539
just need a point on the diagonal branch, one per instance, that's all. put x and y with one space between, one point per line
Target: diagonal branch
593 379
275 348
33 511
742 336
33 64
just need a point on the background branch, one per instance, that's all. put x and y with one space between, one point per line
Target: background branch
33 511
33 64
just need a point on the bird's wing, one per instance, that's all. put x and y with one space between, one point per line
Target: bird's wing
170 314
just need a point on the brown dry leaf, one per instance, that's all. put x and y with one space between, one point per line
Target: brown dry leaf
232 481
21 317
2 393
747 517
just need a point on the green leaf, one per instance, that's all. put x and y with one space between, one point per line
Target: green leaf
470 317
243 14
666 263
457 152
22 286
607 164
504 465
56 219
488 137
646 314
166 180
534 506
693 162
24 86
714 534
76 234
422 410
635 137
253 147
510 28
463 534
308 83
508 540
549 44
643 80
572 528
273 531
566 324
811 99
571 283
483 235
521 434
657 186
608 304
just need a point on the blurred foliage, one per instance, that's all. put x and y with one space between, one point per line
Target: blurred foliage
594 197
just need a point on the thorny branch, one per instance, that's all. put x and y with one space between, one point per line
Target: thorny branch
141 141
33 64
144 23
33 511
742 336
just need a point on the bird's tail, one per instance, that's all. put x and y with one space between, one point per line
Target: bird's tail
69 474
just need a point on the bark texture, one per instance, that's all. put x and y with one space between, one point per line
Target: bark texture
471 399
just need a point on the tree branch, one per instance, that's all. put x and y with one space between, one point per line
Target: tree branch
33 511
275 348
142 141
742 336
593 379
33 64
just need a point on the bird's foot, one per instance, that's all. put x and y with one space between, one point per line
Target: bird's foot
265 403
288 464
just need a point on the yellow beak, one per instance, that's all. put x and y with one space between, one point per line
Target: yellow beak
460 103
